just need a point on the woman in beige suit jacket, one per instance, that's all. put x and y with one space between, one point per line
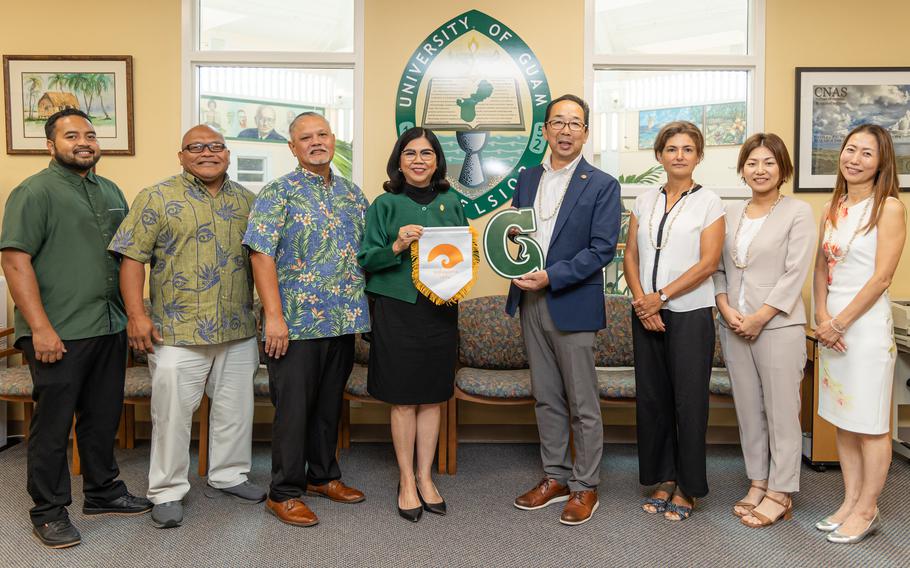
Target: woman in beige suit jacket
758 286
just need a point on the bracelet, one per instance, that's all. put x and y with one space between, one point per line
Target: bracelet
840 331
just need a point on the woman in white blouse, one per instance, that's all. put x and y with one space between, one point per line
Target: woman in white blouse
766 258
676 234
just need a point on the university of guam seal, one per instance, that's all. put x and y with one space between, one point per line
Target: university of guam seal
481 89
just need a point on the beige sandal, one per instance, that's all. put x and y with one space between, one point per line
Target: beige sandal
745 504
765 521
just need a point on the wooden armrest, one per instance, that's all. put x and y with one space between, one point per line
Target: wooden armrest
9 352
5 331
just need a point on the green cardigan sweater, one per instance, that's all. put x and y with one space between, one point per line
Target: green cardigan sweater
389 274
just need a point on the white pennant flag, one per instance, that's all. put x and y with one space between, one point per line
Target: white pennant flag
444 263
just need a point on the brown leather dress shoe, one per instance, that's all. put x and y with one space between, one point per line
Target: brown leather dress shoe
292 512
580 507
547 492
336 491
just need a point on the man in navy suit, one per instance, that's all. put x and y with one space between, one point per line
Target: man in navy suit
577 208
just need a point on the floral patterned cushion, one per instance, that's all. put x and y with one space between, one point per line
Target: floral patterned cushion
15 381
619 383
616 383
361 350
488 337
261 382
508 384
613 344
718 353
357 383
138 383
720 382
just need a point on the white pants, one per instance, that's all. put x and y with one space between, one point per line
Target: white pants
180 374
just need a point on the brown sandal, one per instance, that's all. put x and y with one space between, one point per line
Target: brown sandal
745 504
765 521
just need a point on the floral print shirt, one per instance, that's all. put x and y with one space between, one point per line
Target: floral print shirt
200 282
313 230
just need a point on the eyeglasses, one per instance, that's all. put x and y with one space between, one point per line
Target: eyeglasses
574 125
425 155
198 147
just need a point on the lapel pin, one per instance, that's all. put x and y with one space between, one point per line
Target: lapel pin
584 176
442 207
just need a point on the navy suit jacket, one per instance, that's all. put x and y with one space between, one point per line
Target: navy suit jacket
583 242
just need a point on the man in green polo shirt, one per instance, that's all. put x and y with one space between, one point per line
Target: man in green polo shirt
201 336
70 325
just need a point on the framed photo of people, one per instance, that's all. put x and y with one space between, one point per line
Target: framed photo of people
830 101
37 86
250 120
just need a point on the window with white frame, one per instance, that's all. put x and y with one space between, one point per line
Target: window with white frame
251 66
654 61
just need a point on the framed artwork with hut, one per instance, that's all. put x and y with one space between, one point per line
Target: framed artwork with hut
37 86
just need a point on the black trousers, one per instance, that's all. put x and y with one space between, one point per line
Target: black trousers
672 375
87 382
306 387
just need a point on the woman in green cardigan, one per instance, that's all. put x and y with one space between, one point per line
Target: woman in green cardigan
415 342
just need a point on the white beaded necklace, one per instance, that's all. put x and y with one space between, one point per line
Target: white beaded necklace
565 189
829 233
665 240
735 252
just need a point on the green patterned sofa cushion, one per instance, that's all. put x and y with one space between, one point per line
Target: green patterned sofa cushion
488 337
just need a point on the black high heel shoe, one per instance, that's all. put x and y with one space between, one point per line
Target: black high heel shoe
436 508
412 515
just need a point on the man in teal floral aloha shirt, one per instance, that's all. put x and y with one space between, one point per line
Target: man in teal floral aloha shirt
304 234
201 336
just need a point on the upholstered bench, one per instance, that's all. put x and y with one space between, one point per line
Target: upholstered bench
493 365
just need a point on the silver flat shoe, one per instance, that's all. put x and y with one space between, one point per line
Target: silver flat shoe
825 525
874 526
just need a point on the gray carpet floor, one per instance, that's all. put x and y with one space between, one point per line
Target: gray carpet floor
482 528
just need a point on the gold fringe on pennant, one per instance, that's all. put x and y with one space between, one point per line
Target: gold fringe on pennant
461 294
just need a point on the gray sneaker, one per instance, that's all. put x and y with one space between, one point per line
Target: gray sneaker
245 491
168 515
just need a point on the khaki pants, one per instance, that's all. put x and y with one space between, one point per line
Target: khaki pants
180 375
766 375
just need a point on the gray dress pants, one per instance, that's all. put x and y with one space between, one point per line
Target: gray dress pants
564 385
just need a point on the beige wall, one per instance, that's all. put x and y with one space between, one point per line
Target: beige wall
150 32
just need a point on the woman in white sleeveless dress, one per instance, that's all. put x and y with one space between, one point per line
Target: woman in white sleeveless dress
862 235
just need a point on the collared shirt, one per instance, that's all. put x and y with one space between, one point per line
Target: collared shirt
64 221
313 230
200 281
553 186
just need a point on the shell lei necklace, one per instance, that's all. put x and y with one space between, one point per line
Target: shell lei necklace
735 252
665 240
831 246
555 210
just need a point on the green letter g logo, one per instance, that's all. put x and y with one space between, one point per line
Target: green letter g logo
496 249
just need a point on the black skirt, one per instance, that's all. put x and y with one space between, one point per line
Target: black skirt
413 351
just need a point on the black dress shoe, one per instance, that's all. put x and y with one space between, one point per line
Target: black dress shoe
126 504
436 508
412 515
58 534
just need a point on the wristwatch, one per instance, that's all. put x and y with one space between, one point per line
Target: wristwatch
663 297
